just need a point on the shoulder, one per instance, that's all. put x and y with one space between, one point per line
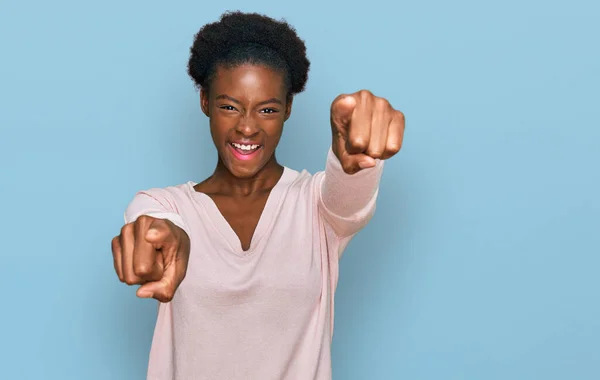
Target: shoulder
169 196
301 185
178 190
297 179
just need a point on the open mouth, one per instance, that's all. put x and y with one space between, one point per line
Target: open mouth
245 148
245 151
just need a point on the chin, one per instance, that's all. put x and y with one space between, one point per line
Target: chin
243 172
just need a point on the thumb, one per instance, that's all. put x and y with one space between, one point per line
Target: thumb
353 163
164 289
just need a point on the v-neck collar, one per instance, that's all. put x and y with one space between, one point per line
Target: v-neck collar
264 222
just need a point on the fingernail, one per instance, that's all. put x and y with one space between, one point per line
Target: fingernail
365 164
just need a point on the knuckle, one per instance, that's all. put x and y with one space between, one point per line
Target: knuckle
339 98
141 222
375 153
126 229
115 243
350 169
393 147
347 167
383 103
143 219
130 280
168 296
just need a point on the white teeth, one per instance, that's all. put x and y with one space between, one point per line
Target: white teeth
245 147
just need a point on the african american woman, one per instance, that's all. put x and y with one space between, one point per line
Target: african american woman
245 263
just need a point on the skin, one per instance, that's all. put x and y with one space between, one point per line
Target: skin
249 103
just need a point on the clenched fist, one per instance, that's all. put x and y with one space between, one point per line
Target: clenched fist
364 127
153 253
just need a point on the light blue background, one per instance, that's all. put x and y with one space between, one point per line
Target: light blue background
482 261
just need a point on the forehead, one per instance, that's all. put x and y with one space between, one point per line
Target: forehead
248 81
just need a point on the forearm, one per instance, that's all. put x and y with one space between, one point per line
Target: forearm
348 200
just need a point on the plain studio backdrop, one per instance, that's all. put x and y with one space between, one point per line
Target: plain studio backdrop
481 261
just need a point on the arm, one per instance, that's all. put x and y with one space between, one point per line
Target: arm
347 201
157 203
365 131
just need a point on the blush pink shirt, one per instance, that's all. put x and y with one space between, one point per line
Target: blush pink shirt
265 313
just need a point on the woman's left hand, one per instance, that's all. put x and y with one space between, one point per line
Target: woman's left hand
364 128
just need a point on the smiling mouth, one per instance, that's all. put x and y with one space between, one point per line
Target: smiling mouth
245 149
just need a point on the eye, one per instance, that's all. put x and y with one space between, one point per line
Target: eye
269 110
227 108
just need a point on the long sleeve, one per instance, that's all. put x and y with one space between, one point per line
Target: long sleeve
157 203
347 202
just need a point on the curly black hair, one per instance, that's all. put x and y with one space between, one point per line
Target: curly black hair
239 38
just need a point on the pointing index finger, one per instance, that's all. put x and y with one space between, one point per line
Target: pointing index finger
359 132
145 254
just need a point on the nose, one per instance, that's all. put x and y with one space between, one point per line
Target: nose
247 126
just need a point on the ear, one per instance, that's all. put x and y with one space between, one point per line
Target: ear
204 101
288 107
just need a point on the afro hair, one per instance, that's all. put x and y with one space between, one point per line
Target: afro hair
239 38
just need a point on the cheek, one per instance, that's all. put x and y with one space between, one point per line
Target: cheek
214 131
274 130
219 127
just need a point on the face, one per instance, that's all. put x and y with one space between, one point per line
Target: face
247 108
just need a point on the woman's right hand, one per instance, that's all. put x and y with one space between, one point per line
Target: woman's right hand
153 253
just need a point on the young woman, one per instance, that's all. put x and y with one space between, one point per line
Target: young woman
245 263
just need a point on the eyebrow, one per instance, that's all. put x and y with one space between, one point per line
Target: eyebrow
272 100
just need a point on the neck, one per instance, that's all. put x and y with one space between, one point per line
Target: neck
264 179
